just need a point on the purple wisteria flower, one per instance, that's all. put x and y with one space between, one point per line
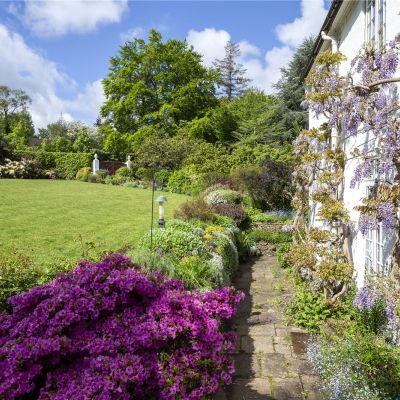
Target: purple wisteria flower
366 298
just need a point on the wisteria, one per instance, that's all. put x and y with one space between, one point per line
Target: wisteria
109 331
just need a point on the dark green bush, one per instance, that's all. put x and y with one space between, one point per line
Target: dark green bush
92 178
233 211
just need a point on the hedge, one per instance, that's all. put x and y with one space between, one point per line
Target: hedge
66 165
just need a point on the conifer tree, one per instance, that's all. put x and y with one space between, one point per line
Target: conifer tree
232 80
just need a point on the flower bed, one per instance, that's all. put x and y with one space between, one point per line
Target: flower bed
107 330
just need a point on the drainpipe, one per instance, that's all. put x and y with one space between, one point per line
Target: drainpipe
333 40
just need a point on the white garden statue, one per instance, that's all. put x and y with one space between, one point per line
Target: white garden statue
129 163
96 164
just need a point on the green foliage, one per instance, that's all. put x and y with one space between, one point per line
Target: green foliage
195 272
270 236
308 309
66 165
256 215
195 208
231 74
226 248
291 91
18 273
233 211
372 366
223 220
175 243
282 251
123 172
83 174
371 320
151 261
156 83
186 180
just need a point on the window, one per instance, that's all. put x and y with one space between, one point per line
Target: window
374 246
375 11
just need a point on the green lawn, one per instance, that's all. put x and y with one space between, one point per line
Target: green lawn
46 217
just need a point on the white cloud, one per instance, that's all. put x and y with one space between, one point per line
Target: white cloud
134 33
264 71
23 68
210 43
56 18
312 16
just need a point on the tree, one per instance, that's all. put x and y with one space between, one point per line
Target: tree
258 119
156 84
232 79
12 103
290 90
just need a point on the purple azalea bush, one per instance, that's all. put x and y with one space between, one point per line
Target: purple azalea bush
107 330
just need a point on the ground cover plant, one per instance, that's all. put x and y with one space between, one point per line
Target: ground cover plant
108 330
45 218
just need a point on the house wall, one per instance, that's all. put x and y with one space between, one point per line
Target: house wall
349 28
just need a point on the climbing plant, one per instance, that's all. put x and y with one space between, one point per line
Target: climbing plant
360 106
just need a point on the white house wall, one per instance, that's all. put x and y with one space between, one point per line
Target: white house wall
349 29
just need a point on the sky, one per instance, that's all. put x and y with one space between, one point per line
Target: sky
58 51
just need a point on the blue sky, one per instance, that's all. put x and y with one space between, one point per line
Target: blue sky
58 51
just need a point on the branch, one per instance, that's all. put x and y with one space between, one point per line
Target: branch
377 83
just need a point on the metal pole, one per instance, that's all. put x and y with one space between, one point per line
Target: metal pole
152 210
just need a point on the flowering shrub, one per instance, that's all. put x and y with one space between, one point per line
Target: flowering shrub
195 208
19 169
223 196
373 312
107 330
361 368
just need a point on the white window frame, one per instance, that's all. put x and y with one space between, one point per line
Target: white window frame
375 22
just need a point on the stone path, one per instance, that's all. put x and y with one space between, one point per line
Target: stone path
270 357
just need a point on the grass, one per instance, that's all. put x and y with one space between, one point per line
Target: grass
50 220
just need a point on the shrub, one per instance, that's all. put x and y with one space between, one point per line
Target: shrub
270 236
223 196
224 221
17 274
256 215
83 174
269 184
94 178
282 252
195 272
123 172
66 165
373 313
20 169
226 248
102 173
234 211
186 180
175 243
357 368
151 262
195 208
308 309
107 330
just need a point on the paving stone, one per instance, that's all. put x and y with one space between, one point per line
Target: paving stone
249 389
247 365
274 365
267 367
287 389
256 344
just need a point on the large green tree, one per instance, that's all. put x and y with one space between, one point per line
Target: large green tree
232 80
290 89
156 83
